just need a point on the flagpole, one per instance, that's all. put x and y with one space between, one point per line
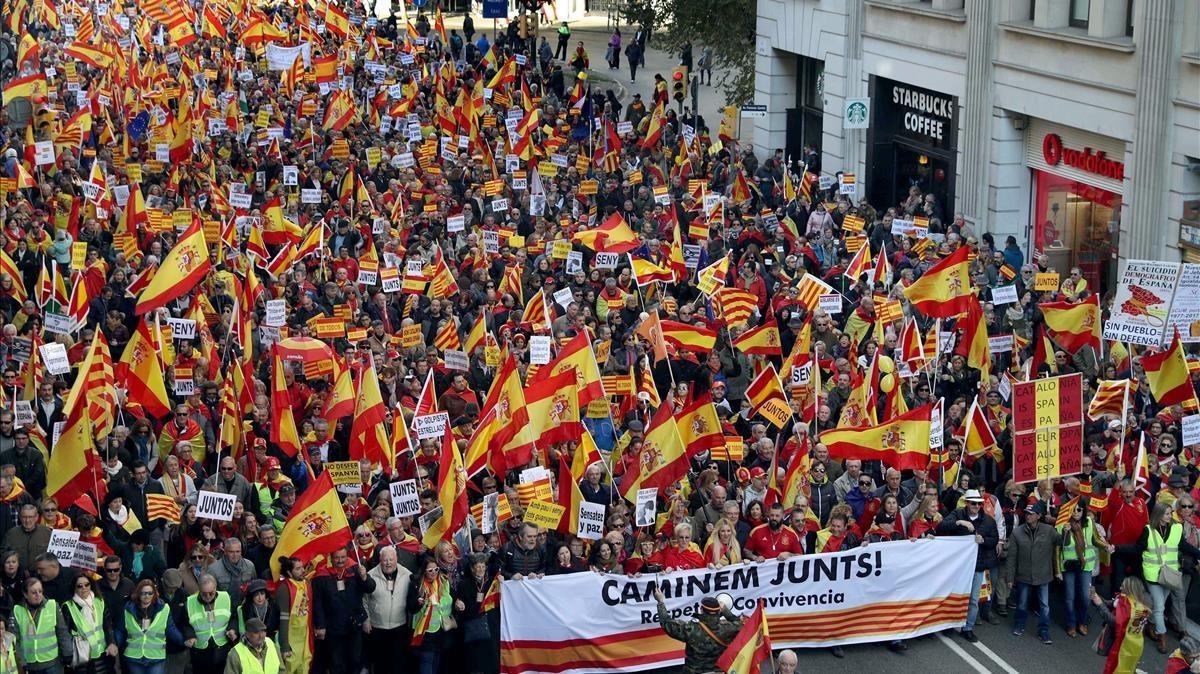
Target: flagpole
1124 416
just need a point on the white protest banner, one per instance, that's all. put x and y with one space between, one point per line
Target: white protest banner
240 200
645 507
456 360
282 58
1000 343
310 196
85 556
62 545
607 260
276 313
431 425
405 502
1185 309
23 413
810 601
54 355
43 152
59 323
1140 308
539 349
456 223
1004 295
182 328
591 521
831 303
214 506
563 297
1191 430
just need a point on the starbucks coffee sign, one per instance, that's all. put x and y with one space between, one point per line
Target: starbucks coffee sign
857 113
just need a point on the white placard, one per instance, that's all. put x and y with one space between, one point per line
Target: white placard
499 205
574 262
1000 343
1191 430
430 426
539 349
57 432
624 128
184 386
54 355
1004 295
491 513
428 519
58 323
456 223
310 196
564 297
607 260
691 256
831 303
291 175
211 505
559 160
240 200
645 510
591 520
43 152
405 499
276 313
162 153
935 426
182 328
62 545
23 413
85 556
456 360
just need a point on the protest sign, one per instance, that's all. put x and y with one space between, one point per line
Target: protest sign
1142 302
62 545
543 514
211 505
1047 428
430 426
591 521
343 472
54 356
405 501
645 507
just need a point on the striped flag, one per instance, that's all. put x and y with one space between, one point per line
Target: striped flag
447 338
1064 512
1110 397
736 306
491 599
750 648
810 290
161 507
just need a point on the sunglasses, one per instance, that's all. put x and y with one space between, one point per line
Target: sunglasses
83 586
145 593
112 571
1187 507
864 483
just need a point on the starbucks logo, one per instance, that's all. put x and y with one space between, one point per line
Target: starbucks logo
856 112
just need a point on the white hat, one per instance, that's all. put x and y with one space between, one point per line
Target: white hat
1114 424
973 496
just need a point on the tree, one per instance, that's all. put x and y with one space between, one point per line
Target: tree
728 26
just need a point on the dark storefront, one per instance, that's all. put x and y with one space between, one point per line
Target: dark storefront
913 140
804 122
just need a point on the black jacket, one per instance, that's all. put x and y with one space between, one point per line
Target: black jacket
984 526
514 559
340 611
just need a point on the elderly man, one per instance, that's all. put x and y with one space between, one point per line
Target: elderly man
229 481
29 538
387 610
848 480
232 571
706 517
255 652
523 557
592 489
209 626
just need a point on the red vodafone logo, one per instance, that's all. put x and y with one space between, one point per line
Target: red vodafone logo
1052 148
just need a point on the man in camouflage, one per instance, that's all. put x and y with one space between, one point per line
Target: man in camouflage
705 638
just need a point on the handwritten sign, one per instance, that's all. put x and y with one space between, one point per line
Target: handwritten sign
343 472
1004 295
214 506
430 426
544 515
539 349
85 556
54 355
831 303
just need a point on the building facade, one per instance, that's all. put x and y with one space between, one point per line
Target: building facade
1073 125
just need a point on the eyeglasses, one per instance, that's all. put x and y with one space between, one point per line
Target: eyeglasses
864 483
197 558
1187 507
82 586
227 469
146 593
117 570
47 511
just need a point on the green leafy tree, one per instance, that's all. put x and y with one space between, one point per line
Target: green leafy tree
725 25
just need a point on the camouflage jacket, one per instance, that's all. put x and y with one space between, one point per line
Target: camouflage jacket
701 650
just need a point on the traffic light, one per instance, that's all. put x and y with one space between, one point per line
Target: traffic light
679 84
524 26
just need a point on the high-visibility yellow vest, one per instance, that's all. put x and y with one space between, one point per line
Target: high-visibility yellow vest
93 633
1153 560
39 643
209 628
250 663
8 657
1069 553
148 644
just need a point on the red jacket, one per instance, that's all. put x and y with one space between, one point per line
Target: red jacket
768 544
1124 521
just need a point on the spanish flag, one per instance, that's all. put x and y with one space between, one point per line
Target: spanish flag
901 442
767 398
662 459
475 338
973 344
479 453
554 408
73 468
695 338
1074 326
646 272
141 371
316 525
576 354
569 497
183 267
1167 374
513 438
283 420
451 494
944 290
699 427
340 113
368 433
612 236
750 648
859 264
760 341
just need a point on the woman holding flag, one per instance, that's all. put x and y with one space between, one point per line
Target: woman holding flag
1124 621
430 602
1079 536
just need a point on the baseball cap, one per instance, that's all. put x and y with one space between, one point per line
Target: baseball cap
757 472
272 463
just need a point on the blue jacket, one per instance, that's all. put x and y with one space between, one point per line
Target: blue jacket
174 636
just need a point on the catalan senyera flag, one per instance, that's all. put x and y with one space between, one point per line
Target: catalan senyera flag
612 236
142 372
184 266
451 487
809 291
1074 326
1064 512
663 458
1111 397
101 387
901 442
750 648
767 397
943 291
737 306
283 420
694 338
699 427
315 526
760 341
9 268
161 507
1167 374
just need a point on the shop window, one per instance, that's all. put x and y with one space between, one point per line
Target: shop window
1080 13
1077 226
1129 18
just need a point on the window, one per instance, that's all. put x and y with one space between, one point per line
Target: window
1129 18
1080 12
1032 9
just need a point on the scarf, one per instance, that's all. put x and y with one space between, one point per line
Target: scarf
110 470
1077 538
170 488
432 591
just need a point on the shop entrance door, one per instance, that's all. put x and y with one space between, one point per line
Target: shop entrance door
929 173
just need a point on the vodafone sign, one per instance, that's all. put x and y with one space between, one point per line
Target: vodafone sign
1086 159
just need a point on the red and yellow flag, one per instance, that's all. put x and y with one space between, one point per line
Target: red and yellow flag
569 497
554 408
760 341
699 427
662 459
901 442
1167 374
368 432
1074 326
973 345
944 290
750 648
316 525
142 372
695 338
612 236
182 268
283 420
767 397
451 494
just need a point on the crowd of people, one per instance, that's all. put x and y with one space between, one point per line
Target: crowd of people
470 196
